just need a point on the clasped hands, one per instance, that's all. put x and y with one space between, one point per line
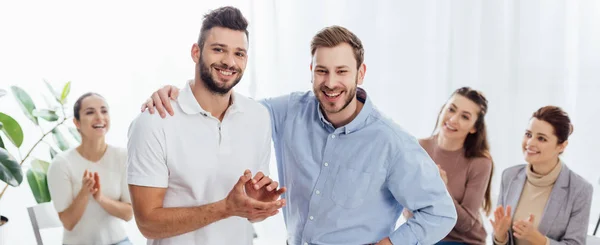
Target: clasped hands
255 198
522 229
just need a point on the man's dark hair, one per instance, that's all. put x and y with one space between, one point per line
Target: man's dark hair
226 17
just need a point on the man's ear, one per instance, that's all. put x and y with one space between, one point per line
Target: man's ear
362 70
196 52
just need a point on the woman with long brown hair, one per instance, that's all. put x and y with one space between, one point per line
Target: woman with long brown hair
460 148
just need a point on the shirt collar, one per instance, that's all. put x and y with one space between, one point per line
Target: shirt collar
190 105
356 123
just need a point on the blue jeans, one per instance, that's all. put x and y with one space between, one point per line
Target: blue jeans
450 243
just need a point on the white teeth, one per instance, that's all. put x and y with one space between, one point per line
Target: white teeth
98 126
332 95
226 73
449 127
531 151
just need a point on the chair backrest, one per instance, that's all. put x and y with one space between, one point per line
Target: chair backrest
592 240
43 216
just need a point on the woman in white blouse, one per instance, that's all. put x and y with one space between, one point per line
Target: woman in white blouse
88 184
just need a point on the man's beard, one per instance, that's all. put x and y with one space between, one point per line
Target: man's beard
210 82
350 94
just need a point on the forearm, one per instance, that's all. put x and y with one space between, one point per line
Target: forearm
71 216
115 208
465 218
168 222
424 228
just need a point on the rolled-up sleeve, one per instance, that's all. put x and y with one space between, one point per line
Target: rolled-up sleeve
146 157
277 108
415 182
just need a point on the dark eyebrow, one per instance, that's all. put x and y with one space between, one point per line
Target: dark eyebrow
542 134
225 46
92 108
454 106
219 45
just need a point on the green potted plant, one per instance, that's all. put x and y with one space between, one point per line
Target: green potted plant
50 121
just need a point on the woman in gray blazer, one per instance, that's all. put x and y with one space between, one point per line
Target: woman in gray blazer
546 202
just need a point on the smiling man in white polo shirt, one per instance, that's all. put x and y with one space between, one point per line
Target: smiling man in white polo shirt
190 176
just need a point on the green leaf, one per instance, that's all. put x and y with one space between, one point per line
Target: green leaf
1 142
45 114
40 165
25 103
53 153
65 93
60 140
12 129
51 104
38 182
52 91
10 170
75 134
2 92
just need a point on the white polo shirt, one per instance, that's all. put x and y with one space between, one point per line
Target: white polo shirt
199 159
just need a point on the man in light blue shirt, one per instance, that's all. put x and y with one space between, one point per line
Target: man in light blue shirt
349 171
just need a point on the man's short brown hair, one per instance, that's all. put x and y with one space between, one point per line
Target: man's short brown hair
335 35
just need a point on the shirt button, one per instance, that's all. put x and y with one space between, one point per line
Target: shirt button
326 164
318 192
333 136
306 243
311 217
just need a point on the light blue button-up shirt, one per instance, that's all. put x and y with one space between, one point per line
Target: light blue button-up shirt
349 185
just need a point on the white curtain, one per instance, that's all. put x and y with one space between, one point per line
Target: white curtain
521 54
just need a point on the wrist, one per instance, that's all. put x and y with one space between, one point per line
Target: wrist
100 199
501 238
541 239
222 209
82 194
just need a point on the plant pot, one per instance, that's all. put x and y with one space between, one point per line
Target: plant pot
3 223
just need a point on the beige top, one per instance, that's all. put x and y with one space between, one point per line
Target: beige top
534 197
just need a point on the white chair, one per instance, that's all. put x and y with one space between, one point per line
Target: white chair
43 216
592 240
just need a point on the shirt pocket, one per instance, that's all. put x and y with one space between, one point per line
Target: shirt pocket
350 187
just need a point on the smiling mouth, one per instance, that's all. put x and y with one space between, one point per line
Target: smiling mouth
225 72
332 95
450 127
528 151
96 126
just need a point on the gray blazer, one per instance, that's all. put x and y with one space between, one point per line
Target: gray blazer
566 216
